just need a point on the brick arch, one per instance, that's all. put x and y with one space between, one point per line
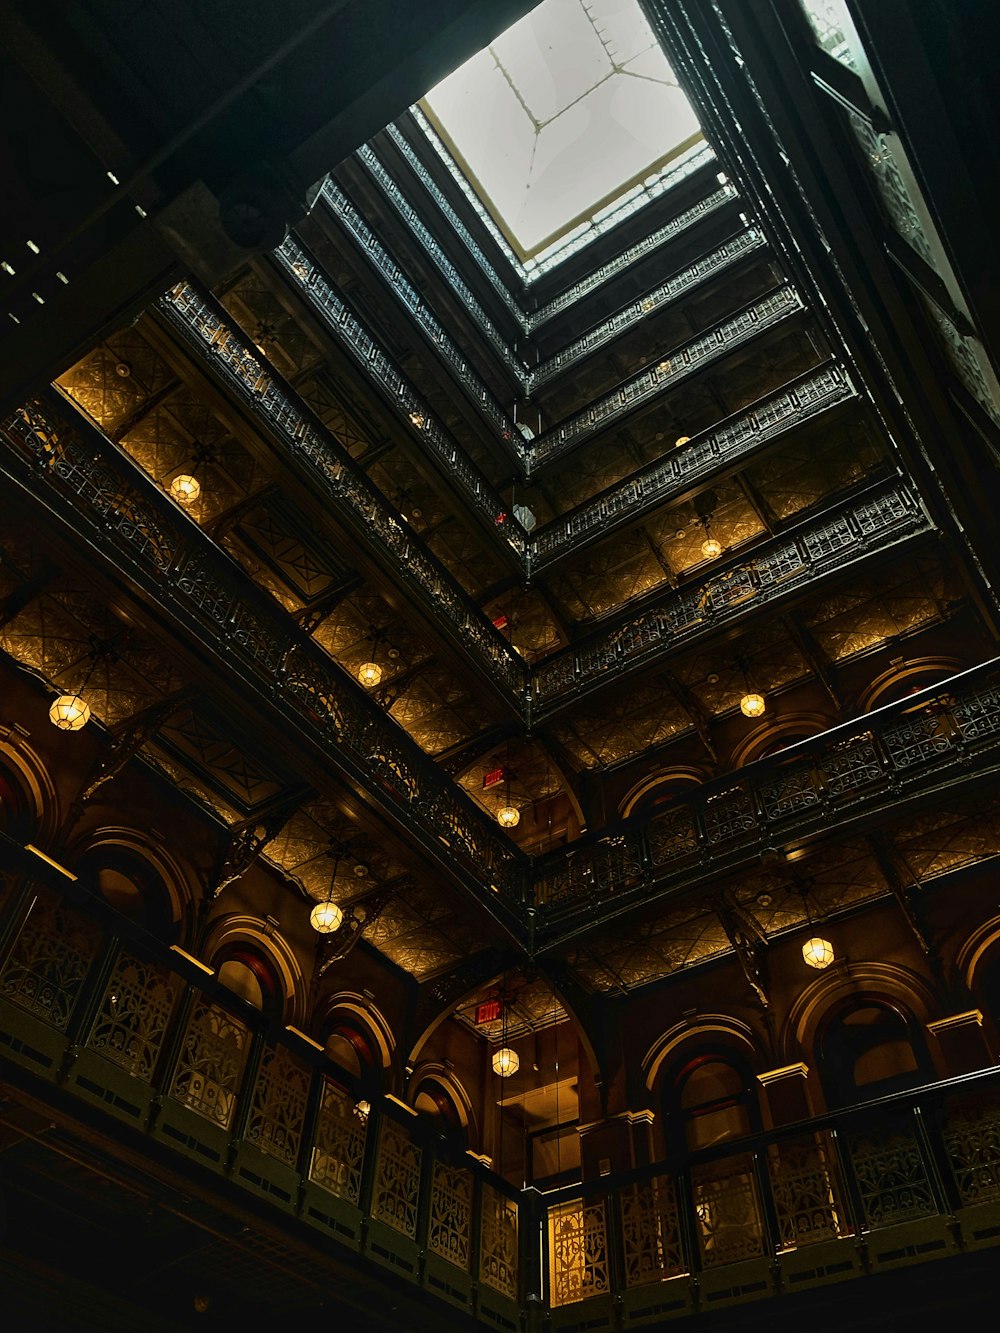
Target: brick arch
875 980
435 1072
228 933
793 726
907 678
673 781
357 1010
33 787
112 843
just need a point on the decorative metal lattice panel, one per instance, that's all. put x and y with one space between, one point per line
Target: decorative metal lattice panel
498 1256
972 1142
397 1180
450 1224
578 1252
135 1013
651 1235
728 1218
339 1145
807 1191
210 1065
890 1176
278 1106
48 964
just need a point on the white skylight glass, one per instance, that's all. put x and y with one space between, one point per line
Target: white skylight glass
562 114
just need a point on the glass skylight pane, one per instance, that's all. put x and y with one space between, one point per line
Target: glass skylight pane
561 115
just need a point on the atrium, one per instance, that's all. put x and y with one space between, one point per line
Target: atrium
500 726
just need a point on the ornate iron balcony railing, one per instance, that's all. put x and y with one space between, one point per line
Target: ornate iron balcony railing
631 255
680 284
696 158
778 568
102 494
439 256
132 1032
671 369
853 1192
683 283
122 1023
530 320
204 327
228 353
812 394
413 412
943 735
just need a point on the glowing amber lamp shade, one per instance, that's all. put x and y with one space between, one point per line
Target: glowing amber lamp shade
69 712
818 952
185 488
369 673
752 705
508 816
505 1062
326 918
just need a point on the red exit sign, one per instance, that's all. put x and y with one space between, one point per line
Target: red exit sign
487 1012
493 778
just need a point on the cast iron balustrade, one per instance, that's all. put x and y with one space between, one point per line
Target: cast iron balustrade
694 160
879 518
631 255
737 438
413 412
102 495
681 284
865 1189
404 292
439 256
945 734
229 355
529 321
118 1021
393 193
671 369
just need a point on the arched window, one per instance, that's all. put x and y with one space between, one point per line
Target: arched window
871 1049
251 977
348 1044
133 888
16 815
710 1100
433 1099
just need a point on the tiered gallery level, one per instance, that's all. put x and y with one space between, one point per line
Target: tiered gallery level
500 759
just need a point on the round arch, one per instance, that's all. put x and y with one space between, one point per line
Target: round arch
667 782
905 678
434 1072
355 1010
886 981
229 933
120 848
40 815
781 731
718 1029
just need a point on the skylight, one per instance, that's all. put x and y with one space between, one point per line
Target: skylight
561 115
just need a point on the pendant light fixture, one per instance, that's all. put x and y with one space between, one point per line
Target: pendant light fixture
71 711
752 704
369 674
327 916
505 1061
816 951
185 488
711 547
